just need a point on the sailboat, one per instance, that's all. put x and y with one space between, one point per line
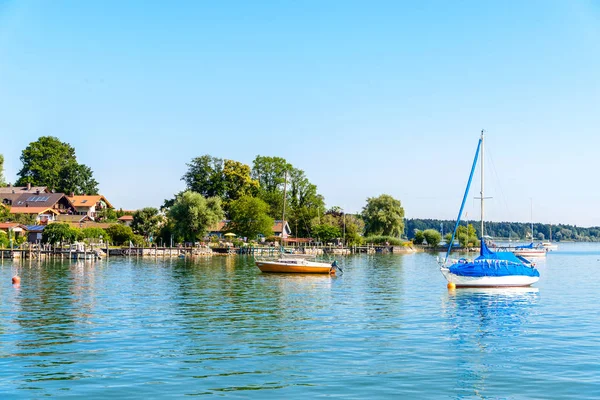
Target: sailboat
531 249
295 263
490 269
549 246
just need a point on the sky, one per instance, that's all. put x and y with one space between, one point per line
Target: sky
367 97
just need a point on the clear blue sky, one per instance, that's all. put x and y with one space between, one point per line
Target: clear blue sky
367 97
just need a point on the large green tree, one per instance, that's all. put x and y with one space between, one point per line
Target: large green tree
192 215
270 172
238 181
78 179
249 217
214 177
147 222
50 162
304 204
383 215
205 176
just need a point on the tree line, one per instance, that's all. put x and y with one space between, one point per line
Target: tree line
250 198
508 230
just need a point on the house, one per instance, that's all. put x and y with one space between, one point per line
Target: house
45 206
10 193
17 229
89 204
34 233
126 219
281 230
221 228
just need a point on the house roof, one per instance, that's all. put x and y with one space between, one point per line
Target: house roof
220 226
278 227
126 218
11 225
72 218
88 200
23 189
35 228
32 210
46 200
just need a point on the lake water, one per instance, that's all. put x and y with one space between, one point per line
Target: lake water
386 328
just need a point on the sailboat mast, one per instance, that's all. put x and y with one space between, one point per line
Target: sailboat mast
482 181
283 212
531 216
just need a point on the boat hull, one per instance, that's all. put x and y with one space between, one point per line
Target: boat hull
489 281
275 267
530 253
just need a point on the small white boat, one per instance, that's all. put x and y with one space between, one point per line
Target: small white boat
530 250
549 246
296 265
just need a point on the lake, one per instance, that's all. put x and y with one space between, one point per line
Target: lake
386 328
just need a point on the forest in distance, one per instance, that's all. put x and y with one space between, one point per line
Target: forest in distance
515 231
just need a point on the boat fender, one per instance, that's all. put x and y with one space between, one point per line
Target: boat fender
451 286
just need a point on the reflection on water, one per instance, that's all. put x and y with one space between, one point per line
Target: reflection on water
385 328
486 325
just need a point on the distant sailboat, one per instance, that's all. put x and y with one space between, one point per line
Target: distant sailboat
490 269
530 250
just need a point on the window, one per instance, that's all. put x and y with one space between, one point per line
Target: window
83 201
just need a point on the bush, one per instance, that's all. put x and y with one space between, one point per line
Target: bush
121 234
394 241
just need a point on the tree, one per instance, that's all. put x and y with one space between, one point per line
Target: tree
2 182
214 177
120 234
448 238
270 173
305 204
467 236
146 222
383 215
205 176
95 233
419 237
59 233
249 217
354 227
107 215
50 162
192 215
433 237
326 232
238 182
78 179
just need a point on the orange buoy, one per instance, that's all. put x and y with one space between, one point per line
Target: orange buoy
16 280
332 271
451 286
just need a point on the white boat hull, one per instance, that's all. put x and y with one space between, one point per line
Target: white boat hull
489 281
530 253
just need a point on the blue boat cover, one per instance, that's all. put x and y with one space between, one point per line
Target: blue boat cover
490 263
525 246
